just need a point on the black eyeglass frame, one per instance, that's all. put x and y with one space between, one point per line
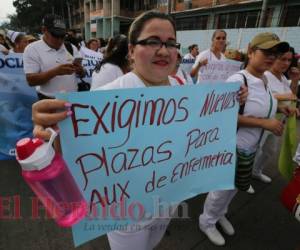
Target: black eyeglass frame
145 42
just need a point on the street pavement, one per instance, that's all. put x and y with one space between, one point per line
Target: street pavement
260 221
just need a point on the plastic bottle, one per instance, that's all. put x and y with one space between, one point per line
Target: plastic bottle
46 173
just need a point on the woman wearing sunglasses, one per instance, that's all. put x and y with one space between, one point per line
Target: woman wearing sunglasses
213 54
285 93
256 116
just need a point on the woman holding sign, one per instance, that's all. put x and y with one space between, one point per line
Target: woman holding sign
214 54
256 116
153 50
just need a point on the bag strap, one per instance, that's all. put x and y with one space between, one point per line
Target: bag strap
242 107
69 47
265 80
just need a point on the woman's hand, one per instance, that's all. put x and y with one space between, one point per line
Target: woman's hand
47 113
288 111
242 94
294 74
273 125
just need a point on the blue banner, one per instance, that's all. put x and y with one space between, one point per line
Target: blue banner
130 150
16 99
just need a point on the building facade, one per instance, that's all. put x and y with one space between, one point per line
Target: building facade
104 18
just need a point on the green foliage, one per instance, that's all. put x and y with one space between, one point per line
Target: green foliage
29 14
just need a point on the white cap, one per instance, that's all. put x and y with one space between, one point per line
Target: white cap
41 157
12 35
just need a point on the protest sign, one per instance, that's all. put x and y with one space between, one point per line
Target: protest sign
16 99
89 62
218 70
131 149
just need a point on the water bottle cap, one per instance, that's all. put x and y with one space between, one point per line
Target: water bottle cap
26 147
35 154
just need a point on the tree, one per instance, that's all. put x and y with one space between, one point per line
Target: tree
29 13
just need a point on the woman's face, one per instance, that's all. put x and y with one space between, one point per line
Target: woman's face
282 63
94 45
22 44
219 41
262 60
155 64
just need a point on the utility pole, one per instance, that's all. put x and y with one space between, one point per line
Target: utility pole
69 14
169 8
263 14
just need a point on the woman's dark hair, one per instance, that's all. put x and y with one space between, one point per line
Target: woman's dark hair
191 47
19 38
138 24
116 53
294 62
102 42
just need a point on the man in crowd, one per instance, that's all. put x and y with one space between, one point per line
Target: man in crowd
48 65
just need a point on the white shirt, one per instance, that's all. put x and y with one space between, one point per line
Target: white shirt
184 77
129 80
39 57
257 105
278 86
188 62
107 73
210 56
86 52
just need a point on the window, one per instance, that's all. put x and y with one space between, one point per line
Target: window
192 23
292 16
248 19
127 5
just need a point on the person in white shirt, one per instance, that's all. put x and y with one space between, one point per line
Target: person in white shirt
189 58
19 44
284 92
153 50
256 116
179 73
47 63
114 64
212 54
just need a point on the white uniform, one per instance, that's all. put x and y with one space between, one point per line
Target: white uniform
270 143
39 57
188 62
152 230
258 104
107 73
210 56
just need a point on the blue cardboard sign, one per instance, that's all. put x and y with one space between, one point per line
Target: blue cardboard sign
130 149
16 99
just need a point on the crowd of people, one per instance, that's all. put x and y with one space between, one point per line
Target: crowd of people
150 56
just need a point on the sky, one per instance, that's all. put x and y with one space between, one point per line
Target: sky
6 8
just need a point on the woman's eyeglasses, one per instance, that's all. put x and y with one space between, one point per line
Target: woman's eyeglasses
221 37
157 44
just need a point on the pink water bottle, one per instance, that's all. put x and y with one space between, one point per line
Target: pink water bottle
46 173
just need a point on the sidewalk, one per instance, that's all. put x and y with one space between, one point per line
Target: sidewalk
261 222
